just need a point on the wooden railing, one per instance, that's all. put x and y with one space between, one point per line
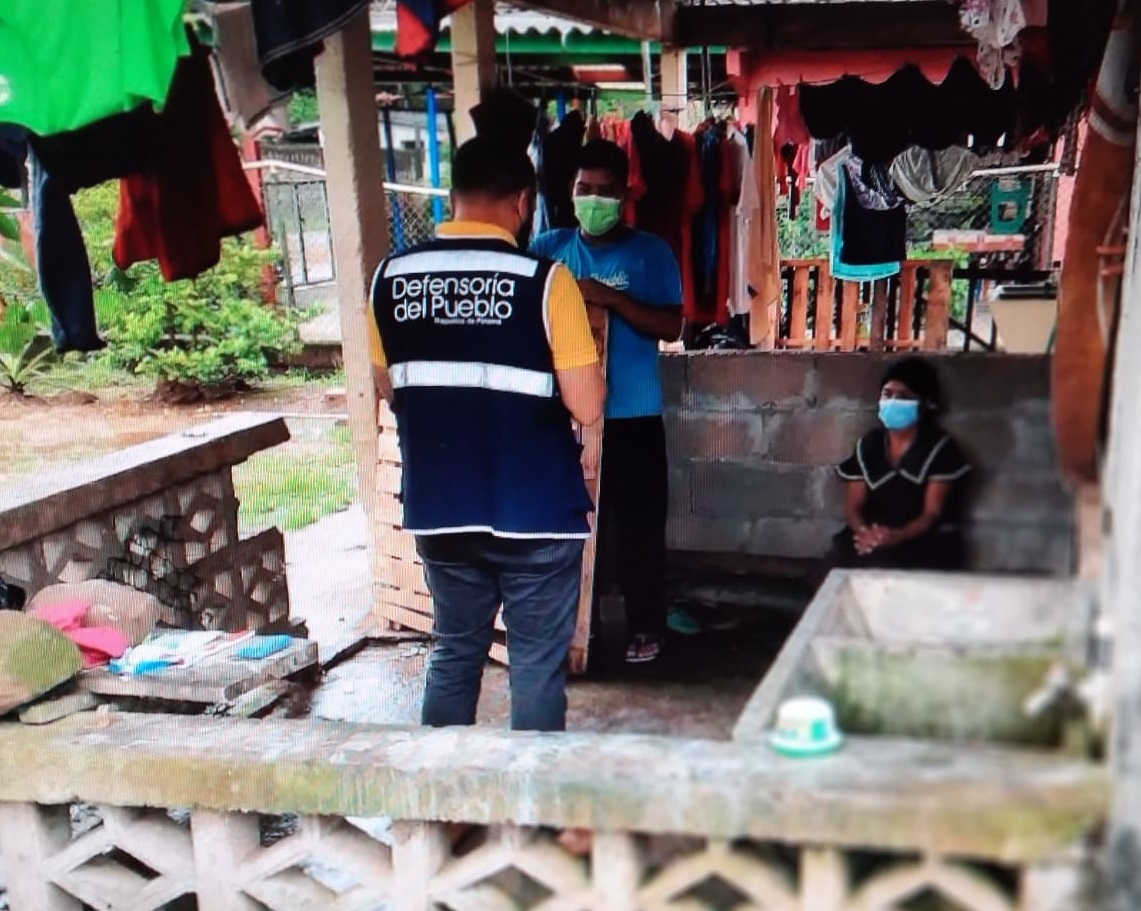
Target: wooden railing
907 312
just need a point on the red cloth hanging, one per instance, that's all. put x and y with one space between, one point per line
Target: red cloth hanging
623 137
418 24
199 193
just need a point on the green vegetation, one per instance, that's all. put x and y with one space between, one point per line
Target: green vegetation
298 483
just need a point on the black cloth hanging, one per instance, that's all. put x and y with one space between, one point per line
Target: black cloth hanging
560 162
290 33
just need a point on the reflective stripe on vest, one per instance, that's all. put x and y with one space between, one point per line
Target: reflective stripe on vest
472 375
473 261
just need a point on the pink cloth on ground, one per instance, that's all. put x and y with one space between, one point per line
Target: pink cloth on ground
97 644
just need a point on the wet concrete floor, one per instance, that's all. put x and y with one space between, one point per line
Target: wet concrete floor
697 689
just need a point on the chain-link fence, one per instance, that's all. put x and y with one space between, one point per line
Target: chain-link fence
298 216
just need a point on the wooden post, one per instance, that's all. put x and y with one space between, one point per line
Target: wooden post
798 314
473 60
359 219
906 315
825 306
675 87
938 306
878 333
849 315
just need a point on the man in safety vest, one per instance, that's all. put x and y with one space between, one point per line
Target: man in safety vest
485 354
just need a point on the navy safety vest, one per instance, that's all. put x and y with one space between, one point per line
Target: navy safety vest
485 439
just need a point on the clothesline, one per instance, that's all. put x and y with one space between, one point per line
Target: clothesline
270 165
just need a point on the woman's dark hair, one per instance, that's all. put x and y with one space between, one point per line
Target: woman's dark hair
920 377
603 155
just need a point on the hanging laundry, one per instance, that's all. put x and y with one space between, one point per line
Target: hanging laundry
764 242
866 245
290 33
197 194
674 195
65 64
925 176
618 131
882 121
418 24
747 208
995 25
706 227
246 93
872 185
13 152
60 165
542 220
560 159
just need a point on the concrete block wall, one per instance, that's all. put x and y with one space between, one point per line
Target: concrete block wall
753 439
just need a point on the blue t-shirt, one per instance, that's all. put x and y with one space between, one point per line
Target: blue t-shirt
644 267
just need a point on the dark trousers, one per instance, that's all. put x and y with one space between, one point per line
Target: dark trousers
537 582
632 520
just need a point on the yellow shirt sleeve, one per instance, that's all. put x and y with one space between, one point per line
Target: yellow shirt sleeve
572 344
375 348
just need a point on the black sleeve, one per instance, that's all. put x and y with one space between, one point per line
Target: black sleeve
950 463
851 469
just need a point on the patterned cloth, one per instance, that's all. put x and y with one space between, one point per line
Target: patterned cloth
995 25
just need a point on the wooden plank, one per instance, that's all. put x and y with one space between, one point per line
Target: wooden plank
849 314
389 510
906 316
409 619
580 643
938 306
388 479
878 328
249 704
798 313
403 574
825 305
219 678
409 600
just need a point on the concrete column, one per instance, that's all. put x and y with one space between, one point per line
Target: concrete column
675 85
359 216
1121 581
473 60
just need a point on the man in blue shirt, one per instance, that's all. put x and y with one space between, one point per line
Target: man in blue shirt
635 277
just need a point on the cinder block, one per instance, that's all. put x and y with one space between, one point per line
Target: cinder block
846 381
747 380
986 382
672 369
1041 549
791 538
756 491
692 434
1023 497
815 437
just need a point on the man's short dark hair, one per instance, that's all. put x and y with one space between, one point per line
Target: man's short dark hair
491 167
603 155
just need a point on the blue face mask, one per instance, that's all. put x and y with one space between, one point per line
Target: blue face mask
899 414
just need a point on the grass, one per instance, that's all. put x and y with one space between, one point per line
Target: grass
299 483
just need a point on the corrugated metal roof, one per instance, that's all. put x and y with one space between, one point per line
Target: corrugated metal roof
508 20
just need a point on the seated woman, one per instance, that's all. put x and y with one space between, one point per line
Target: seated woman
903 482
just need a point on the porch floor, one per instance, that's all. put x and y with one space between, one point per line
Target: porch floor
697 690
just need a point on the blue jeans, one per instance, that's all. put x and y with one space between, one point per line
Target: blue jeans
537 582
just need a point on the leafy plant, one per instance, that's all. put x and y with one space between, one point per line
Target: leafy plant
205 338
25 352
